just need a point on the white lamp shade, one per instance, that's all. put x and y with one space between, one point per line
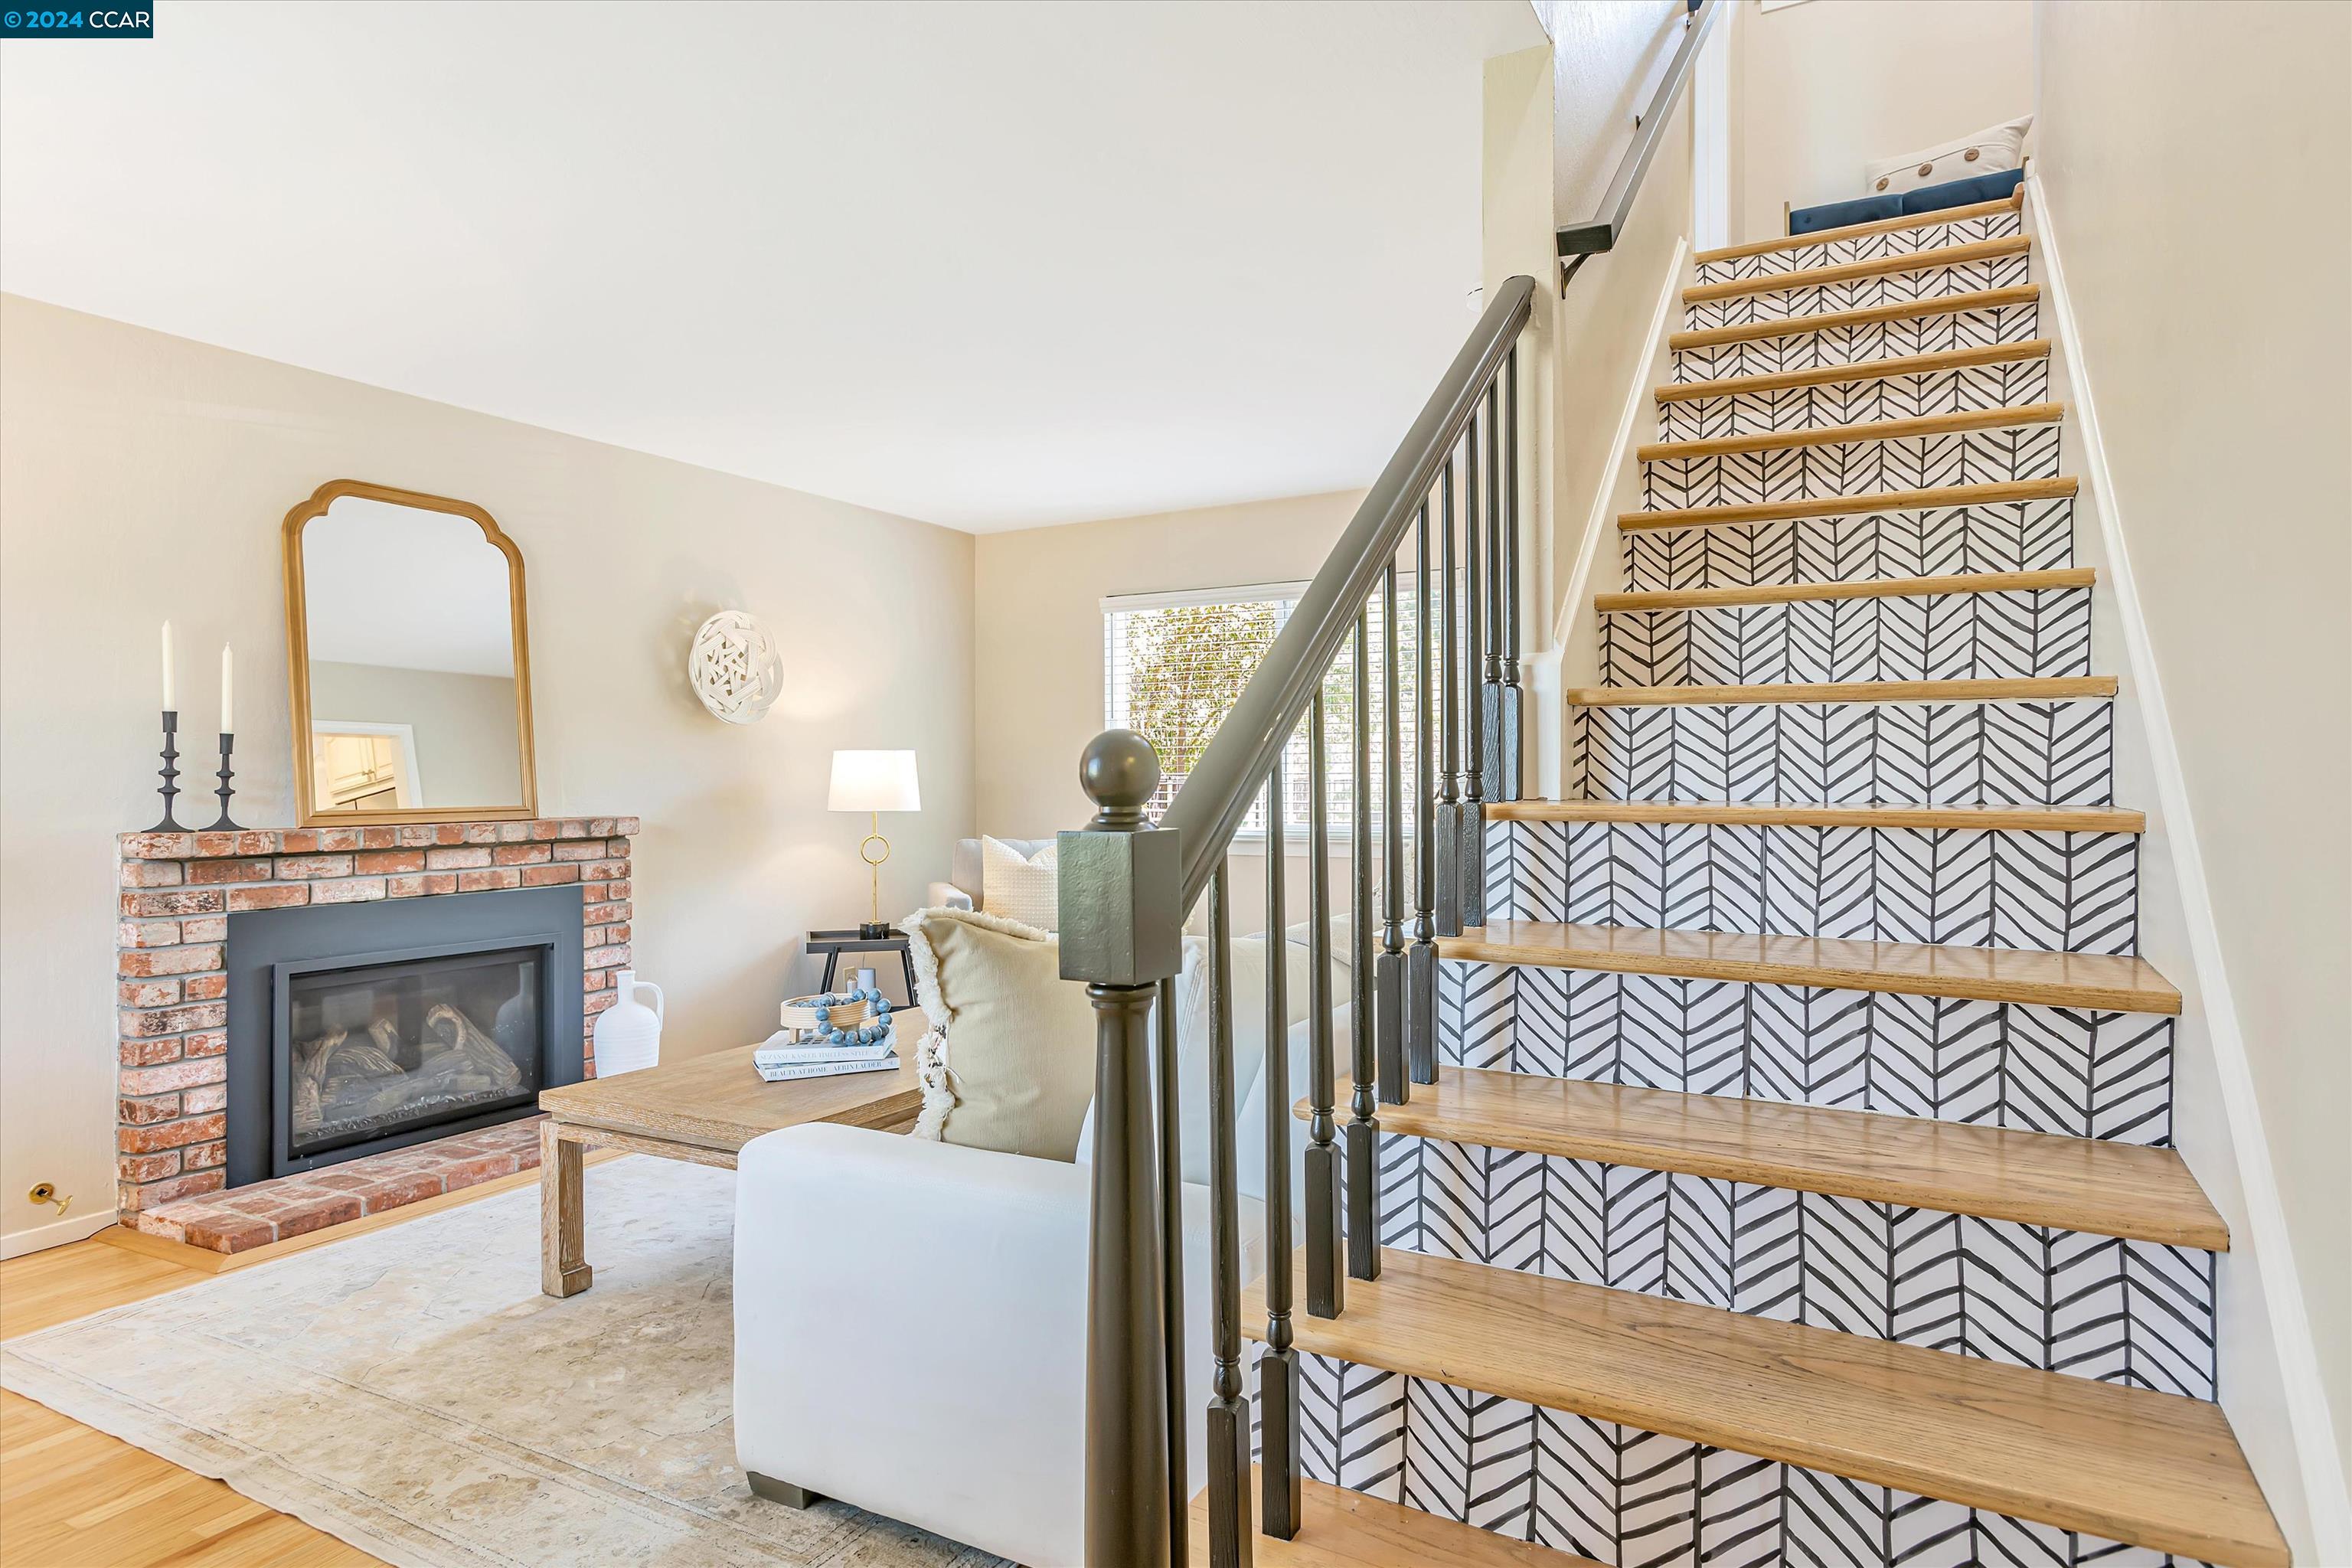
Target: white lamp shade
874 780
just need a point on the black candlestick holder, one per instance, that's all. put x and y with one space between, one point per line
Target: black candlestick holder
229 745
170 771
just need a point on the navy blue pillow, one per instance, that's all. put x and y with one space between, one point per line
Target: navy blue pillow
1837 214
1959 193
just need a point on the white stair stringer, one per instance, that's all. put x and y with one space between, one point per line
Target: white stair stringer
1926 236
2030 633
1804 347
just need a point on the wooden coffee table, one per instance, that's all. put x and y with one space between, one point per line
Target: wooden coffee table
703 1110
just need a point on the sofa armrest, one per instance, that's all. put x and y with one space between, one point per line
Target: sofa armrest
910 1330
948 896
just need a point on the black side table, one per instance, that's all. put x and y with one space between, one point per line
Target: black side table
834 943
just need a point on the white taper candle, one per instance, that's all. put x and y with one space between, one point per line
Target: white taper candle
228 692
168 704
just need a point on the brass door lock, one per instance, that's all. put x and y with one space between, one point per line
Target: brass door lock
47 1193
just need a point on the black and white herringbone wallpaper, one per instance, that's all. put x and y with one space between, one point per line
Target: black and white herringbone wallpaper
2035 632
1930 282
2003 536
1871 395
1852 468
1865 247
1963 326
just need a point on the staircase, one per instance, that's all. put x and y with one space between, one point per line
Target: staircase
1796 1186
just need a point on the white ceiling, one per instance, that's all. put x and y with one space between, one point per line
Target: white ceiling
989 265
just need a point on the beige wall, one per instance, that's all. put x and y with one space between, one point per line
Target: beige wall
464 725
143 475
1823 88
2205 256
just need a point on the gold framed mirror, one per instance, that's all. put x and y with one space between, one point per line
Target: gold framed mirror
408 660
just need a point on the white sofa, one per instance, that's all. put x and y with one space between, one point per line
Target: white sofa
961 890
910 1325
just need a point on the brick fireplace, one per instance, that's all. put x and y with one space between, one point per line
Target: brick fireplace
177 893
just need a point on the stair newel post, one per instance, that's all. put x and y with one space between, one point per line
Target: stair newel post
1421 961
1388 970
1121 912
1364 1125
1510 782
1230 1529
1278 1368
1448 832
1478 521
1325 1266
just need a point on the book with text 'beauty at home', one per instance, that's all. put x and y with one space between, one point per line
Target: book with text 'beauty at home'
780 1049
796 1070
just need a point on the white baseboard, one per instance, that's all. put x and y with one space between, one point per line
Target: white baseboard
57 1232
2314 1433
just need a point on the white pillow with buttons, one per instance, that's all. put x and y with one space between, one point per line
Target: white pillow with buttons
1988 152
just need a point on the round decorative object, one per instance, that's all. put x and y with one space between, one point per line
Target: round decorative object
876 1029
735 667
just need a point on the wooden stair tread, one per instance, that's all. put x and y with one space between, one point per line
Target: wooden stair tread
1776 813
1858 370
2010 202
1831 321
1877 266
2084 1185
1343 1528
1949 496
2099 980
2156 1471
1952 424
1870 588
2016 689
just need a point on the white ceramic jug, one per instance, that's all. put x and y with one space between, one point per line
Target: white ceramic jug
628 1033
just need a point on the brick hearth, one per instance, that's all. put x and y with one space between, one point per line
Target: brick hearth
177 893
262 1212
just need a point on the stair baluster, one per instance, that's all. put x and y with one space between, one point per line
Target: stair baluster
1421 962
1277 1369
1230 1529
1477 522
1510 782
1389 968
1363 1125
1325 1269
1449 686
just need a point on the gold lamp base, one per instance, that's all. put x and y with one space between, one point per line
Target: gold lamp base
874 928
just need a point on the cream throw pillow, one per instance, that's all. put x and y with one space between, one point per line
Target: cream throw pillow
1992 151
1020 888
1009 1063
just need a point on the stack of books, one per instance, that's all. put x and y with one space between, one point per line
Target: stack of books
824 1036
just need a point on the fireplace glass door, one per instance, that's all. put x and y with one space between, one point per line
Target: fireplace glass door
372 1050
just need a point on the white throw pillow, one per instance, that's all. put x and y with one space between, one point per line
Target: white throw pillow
1988 152
1020 888
1009 1063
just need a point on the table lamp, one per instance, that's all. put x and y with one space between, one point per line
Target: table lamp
873 783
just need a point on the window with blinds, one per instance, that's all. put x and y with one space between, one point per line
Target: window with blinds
1175 664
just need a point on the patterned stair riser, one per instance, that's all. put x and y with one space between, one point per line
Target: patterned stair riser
1946 754
1636 1500
2006 385
1851 469
2038 632
1802 348
2010 536
1860 293
2098 1307
1865 247
2039 1069
2054 892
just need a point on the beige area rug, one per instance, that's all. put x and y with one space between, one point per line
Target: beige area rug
411 1391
